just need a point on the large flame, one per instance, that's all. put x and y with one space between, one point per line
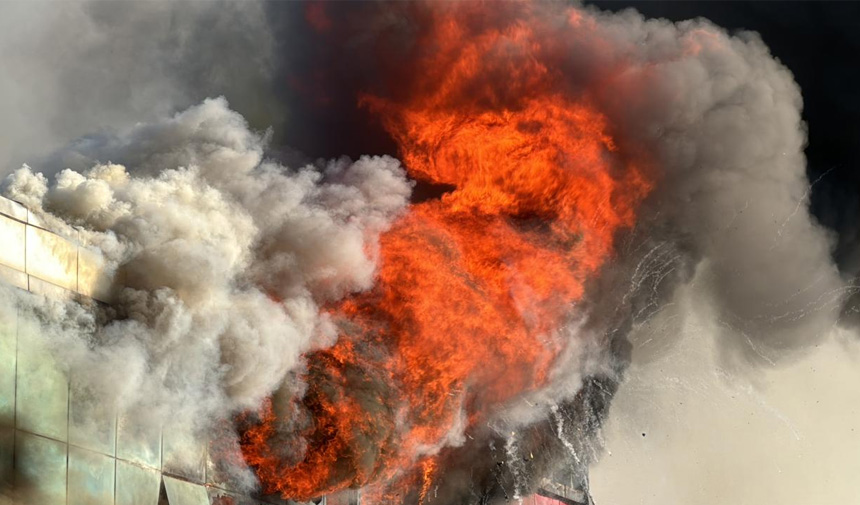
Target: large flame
471 286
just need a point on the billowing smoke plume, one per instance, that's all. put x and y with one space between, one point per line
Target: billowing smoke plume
247 280
76 68
224 259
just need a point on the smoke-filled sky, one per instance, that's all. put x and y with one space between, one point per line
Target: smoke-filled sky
418 246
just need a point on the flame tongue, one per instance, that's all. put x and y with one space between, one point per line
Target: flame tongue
472 286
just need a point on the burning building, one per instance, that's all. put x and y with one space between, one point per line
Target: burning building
212 321
57 449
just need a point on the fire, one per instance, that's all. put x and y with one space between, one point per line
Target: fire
473 285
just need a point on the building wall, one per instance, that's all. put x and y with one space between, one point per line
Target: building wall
39 260
53 451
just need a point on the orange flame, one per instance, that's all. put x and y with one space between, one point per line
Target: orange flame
471 286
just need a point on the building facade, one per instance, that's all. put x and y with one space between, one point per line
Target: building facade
52 451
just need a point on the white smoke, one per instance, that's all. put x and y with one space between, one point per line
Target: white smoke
224 259
76 67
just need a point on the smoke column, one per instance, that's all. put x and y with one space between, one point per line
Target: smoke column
574 168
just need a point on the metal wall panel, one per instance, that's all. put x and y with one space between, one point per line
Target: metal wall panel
13 209
91 478
13 277
180 492
54 227
34 219
183 457
40 469
7 451
8 352
52 258
42 391
48 290
90 426
93 279
139 443
136 485
12 238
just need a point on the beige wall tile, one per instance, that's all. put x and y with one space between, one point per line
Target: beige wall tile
136 485
91 478
42 389
52 258
40 469
13 209
12 243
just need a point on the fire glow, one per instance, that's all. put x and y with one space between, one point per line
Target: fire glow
472 286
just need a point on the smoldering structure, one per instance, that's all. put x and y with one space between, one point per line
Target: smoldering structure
463 348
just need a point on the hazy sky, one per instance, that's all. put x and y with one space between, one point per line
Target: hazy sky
684 429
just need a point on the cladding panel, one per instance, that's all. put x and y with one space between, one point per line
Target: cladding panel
13 209
12 254
42 390
139 442
13 277
7 451
48 290
8 362
40 469
136 485
91 478
91 425
180 492
184 457
52 258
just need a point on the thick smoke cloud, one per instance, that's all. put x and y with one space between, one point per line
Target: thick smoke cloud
75 68
723 120
224 259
